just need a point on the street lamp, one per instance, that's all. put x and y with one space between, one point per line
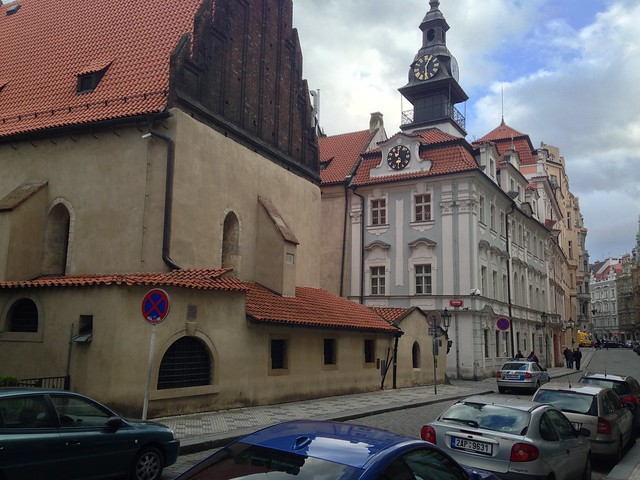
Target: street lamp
571 325
545 319
436 331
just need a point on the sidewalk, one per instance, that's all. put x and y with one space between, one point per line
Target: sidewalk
202 431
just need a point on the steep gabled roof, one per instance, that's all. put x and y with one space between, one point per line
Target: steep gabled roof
339 155
46 45
504 137
312 307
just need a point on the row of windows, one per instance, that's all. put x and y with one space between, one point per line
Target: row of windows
422 276
421 209
502 343
280 352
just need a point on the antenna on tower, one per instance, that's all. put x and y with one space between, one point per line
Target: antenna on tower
502 100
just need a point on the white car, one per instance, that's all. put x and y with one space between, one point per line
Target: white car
512 438
521 375
599 410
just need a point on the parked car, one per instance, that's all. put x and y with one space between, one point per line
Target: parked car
513 438
599 410
305 449
521 375
61 434
609 344
627 388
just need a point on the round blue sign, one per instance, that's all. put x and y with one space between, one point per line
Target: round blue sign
155 306
503 323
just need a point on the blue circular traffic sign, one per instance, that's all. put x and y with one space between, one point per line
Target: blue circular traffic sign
155 306
503 323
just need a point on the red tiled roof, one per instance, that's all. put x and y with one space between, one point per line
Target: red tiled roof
312 307
46 44
340 153
445 160
390 314
201 279
504 137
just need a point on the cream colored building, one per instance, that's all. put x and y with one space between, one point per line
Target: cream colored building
148 165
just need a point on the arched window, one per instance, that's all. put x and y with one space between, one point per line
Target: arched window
186 363
23 316
415 355
231 242
56 241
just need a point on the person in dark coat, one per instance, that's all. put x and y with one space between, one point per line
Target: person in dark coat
532 357
566 353
519 355
577 356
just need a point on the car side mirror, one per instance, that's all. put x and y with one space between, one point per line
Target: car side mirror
115 423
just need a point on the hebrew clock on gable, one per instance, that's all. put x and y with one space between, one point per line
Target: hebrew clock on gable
398 157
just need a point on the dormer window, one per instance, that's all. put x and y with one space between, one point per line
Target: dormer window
89 78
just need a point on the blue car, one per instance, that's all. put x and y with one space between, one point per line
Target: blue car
306 450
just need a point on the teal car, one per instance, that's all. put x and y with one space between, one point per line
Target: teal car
65 435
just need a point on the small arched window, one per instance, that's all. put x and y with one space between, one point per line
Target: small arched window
415 355
186 363
56 241
231 242
23 316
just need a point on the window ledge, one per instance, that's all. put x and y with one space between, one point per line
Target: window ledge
21 336
422 226
377 229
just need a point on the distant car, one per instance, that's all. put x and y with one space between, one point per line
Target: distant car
305 449
61 434
521 375
627 388
597 409
513 438
609 344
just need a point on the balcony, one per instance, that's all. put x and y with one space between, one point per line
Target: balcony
434 112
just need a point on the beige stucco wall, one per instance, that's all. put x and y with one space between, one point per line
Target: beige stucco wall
113 366
332 221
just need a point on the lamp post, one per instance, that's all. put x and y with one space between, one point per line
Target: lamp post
593 322
545 318
434 320
571 325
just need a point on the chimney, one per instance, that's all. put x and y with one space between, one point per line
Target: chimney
376 122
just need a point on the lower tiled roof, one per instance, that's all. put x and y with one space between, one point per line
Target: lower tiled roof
312 307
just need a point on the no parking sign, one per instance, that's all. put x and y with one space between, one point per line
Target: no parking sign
503 323
155 306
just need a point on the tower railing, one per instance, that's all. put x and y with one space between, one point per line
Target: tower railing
435 112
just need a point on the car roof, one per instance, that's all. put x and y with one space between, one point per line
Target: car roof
503 401
345 443
583 388
606 376
8 391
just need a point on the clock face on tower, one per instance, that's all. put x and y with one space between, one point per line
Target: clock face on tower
398 157
426 67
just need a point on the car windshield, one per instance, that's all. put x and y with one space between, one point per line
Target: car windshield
488 417
569 401
621 388
514 366
243 461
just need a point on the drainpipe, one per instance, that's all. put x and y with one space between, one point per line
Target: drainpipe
513 204
396 337
168 199
362 219
344 235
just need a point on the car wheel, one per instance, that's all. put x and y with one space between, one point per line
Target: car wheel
586 475
501 389
148 464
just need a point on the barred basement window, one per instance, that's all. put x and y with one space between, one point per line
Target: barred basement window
186 363
23 316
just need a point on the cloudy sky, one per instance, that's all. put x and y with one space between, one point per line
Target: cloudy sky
569 70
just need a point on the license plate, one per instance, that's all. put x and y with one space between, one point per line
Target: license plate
513 377
471 445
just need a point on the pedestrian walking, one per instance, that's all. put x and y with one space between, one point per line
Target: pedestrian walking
519 355
532 357
577 356
566 353
570 359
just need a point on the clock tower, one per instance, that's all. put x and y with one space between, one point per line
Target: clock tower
433 87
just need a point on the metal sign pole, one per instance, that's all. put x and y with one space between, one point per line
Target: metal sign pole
152 344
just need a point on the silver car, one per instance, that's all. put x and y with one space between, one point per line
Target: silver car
521 375
513 438
599 410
